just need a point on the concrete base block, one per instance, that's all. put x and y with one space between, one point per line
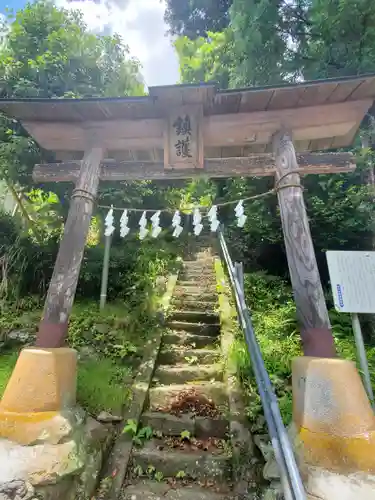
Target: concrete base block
42 385
334 429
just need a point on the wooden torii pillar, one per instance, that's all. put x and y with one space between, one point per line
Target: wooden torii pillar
53 328
308 293
189 131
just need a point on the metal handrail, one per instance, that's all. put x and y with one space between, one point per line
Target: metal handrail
290 476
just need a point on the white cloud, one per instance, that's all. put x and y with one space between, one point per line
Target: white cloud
141 25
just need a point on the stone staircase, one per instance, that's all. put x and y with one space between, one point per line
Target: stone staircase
189 456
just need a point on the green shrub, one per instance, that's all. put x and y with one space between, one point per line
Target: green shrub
274 319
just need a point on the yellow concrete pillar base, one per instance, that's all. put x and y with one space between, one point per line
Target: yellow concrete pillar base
334 421
43 384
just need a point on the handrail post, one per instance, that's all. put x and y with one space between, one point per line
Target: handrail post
238 266
362 357
104 286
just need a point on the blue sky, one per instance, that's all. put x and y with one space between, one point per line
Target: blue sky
139 22
16 4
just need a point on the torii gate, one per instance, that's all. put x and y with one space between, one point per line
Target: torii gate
184 131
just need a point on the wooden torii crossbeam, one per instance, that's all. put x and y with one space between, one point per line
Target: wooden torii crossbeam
183 131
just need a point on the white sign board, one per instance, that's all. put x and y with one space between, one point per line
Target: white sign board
352 277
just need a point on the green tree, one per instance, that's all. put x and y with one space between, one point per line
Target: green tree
259 42
274 41
195 18
340 38
206 59
49 52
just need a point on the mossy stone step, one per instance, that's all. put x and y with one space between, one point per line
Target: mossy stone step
195 294
206 269
163 396
195 317
199 284
188 339
201 427
145 489
203 262
189 303
194 288
197 328
195 464
206 274
200 276
178 354
182 374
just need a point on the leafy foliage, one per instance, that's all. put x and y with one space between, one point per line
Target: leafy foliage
336 42
259 45
139 435
196 18
275 41
206 59
274 317
49 52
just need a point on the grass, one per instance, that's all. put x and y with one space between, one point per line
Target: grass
7 363
101 386
112 340
274 318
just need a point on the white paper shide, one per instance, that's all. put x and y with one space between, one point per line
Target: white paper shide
240 214
143 231
197 222
108 223
176 224
212 217
155 221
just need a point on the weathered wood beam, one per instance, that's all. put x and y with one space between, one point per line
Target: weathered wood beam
235 129
308 293
53 327
318 122
260 165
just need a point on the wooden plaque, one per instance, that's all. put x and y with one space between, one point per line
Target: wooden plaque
183 147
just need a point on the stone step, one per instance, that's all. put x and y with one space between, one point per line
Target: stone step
183 374
193 305
195 317
203 261
197 328
199 285
198 272
188 339
172 354
196 464
207 267
201 427
162 397
197 282
205 274
195 294
146 489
